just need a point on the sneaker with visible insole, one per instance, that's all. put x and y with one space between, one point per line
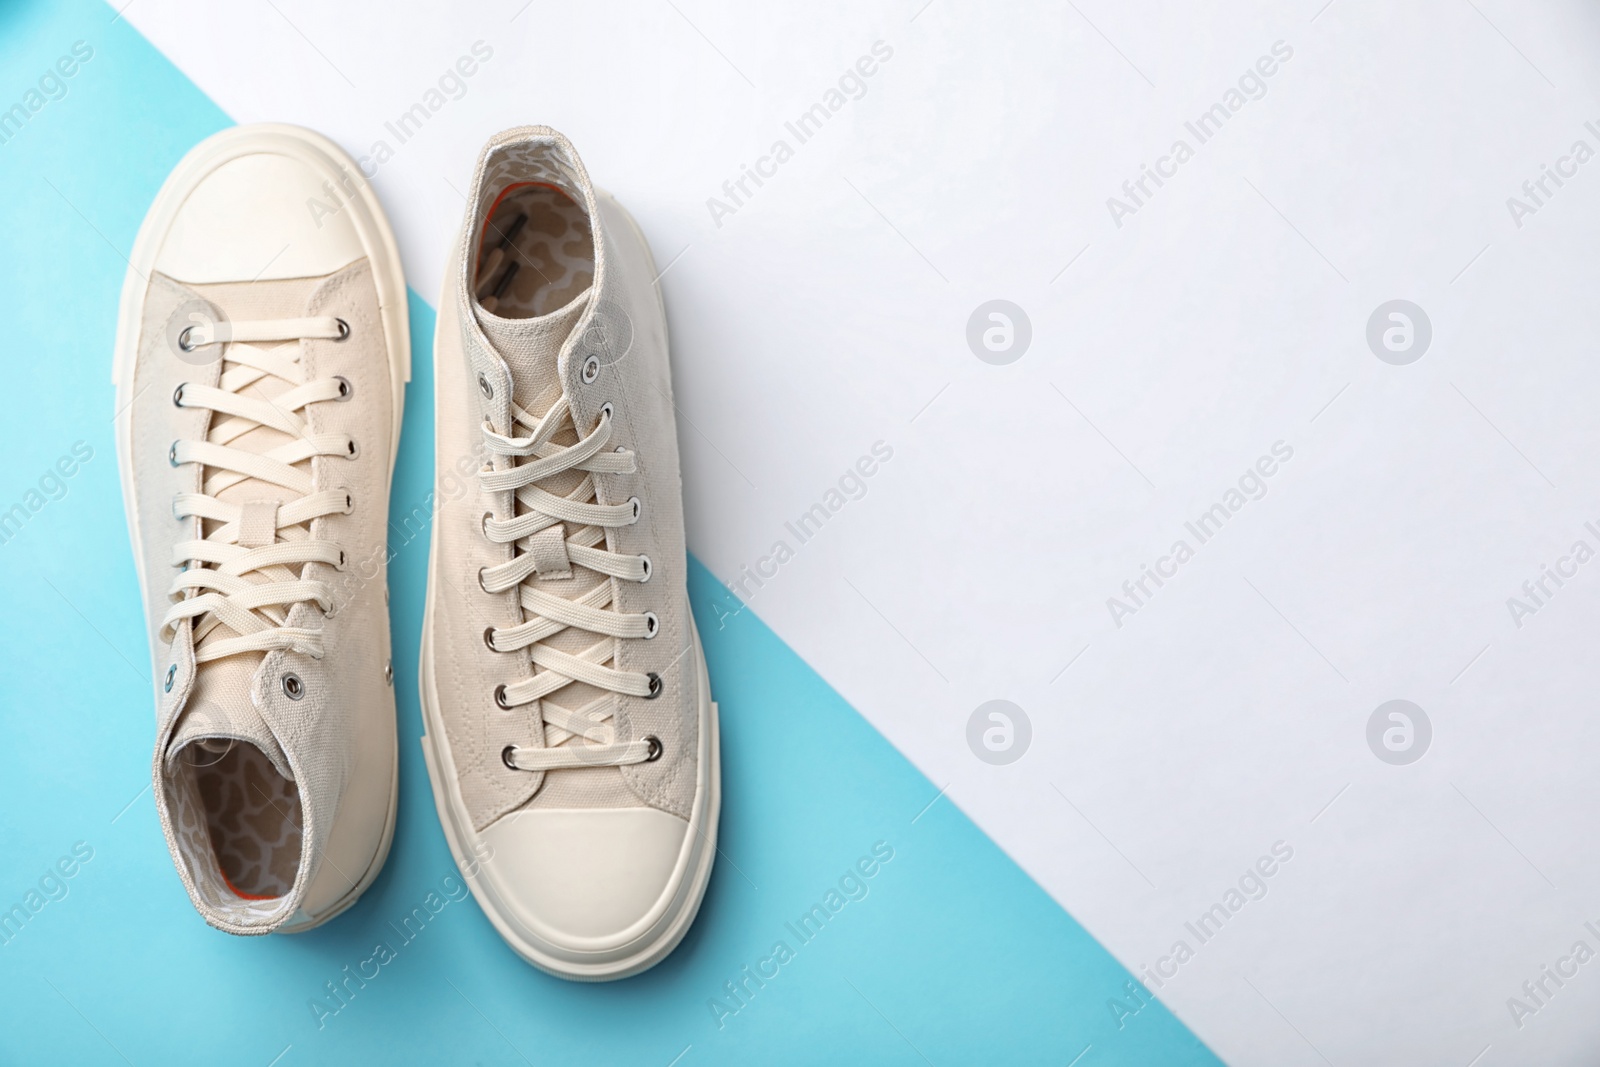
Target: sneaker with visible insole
570 733
262 353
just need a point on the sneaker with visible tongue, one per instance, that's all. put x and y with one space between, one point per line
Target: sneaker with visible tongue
569 728
262 353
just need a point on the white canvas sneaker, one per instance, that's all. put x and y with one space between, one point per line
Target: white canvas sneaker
570 732
261 357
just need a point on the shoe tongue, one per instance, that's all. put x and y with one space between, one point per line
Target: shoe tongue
220 714
532 349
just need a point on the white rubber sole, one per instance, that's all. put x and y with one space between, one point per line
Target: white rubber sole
692 873
389 279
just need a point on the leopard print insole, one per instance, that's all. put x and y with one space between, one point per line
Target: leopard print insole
253 816
550 258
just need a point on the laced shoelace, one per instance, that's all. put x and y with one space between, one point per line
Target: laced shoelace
540 540
245 575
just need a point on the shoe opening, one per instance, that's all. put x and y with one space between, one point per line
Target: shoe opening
252 814
536 252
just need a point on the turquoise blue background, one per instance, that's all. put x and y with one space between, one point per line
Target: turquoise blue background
955 956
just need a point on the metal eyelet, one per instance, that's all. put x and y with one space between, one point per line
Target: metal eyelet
656 748
349 501
488 638
485 387
344 330
172 454
340 564
177 394
485 588
354 450
183 339
607 410
638 508
652 625
172 672
655 685
293 687
500 698
591 369
346 390
388 672
488 517
505 757
648 568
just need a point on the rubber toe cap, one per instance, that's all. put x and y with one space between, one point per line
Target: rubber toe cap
260 216
577 877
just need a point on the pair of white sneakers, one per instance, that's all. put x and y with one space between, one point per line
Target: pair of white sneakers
262 354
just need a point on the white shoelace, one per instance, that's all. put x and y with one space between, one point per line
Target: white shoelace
539 540
244 575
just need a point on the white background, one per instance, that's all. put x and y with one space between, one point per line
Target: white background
830 312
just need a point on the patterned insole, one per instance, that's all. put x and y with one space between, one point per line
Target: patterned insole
549 260
253 815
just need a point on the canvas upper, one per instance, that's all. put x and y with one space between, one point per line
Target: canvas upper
261 355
